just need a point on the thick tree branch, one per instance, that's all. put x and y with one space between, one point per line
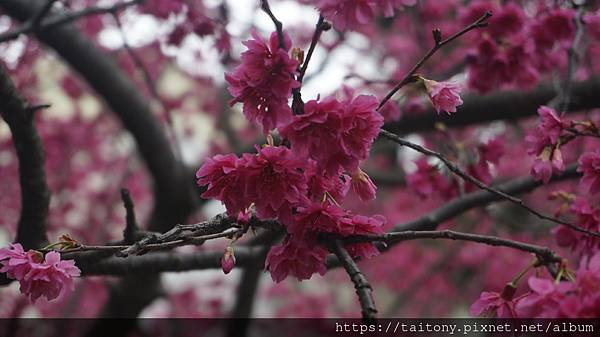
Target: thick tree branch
35 196
59 19
167 262
211 260
503 105
173 198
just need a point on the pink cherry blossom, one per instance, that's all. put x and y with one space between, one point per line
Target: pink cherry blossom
550 123
445 96
17 263
264 80
589 165
493 304
336 135
363 186
549 162
50 279
38 277
273 180
587 217
296 257
544 299
223 178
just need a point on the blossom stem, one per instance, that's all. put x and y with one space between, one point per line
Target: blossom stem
410 76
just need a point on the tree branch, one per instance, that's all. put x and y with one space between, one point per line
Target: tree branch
364 291
544 254
35 195
503 105
173 194
59 19
438 44
265 7
467 177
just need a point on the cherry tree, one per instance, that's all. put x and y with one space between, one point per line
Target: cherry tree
175 158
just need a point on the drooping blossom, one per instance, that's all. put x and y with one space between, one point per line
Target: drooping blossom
224 182
579 298
16 262
363 186
589 165
264 80
274 181
550 123
493 304
38 277
544 143
587 217
336 135
544 300
50 279
549 162
445 96
296 257
228 260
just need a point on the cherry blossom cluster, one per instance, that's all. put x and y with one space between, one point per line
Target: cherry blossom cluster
39 275
517 49
300 184
546 298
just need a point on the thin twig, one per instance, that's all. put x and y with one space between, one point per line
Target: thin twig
543 253
467 177
438 43
131 226
361 284
297 102
264 5
320 27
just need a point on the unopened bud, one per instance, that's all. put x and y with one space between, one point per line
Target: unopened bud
228 260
